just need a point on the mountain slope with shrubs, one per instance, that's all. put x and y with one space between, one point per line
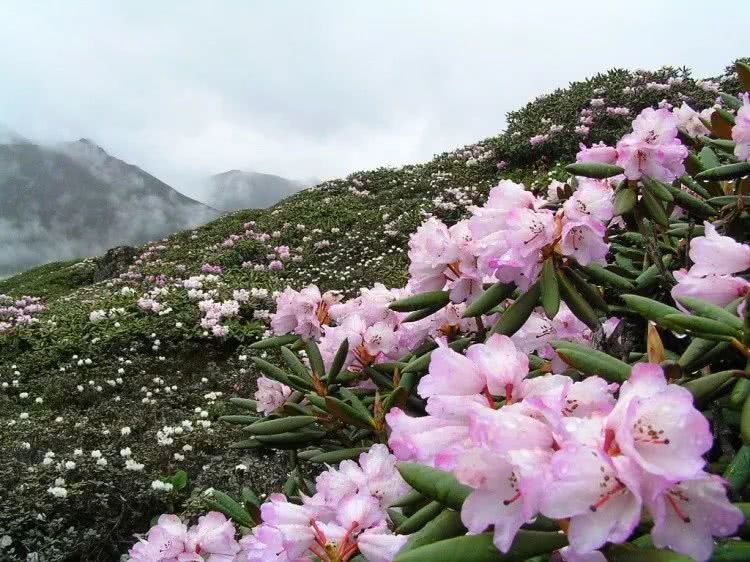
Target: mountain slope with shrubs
120 398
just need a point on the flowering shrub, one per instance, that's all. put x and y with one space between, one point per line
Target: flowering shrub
550 379
104 399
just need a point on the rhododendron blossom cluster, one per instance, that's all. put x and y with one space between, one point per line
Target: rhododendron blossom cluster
567 450
523 358
18 312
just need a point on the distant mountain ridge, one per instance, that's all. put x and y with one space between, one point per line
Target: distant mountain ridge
74 199
238 189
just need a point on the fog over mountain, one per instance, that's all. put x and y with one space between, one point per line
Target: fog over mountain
74 199
237 189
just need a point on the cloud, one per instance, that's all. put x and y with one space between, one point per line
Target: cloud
299 89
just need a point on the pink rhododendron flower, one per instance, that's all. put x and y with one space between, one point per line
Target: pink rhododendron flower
689 121
506 195
592 199
440 255
600 495
689 513
584 240
164 541
500 364
380 545
451 373
656 425
716 289
270 395
509 496
423 439
600 153
741 130
652 149
568 554
302 312
212 539
713 254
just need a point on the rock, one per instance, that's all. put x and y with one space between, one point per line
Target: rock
114 262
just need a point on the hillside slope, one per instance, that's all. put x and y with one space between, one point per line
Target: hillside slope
76 200
120 382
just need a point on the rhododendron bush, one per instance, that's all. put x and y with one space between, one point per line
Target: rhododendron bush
566 376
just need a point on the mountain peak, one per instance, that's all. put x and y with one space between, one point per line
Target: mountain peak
9 136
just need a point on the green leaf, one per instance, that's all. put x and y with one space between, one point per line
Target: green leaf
446 525
420 518
338 361
276 341
246 444
650 275
690 183
239 420
729 550
708 158
219 501
745 421
708 310
592 362
692 204
577 304
630 553
722 144
740 392
516 314
550 293
421 301
290 440
594 170
625 201
729 200
178 480
245 404
347 413
657 188
294 363
281 425
395 516
434 484
588 291
424 313
489 299
743 75
730 101
410 498
698 325
705 386
356 403
726 115
316 361
271 371
737 473
726 172
606 277
480 548
648 308
333 457
654 208
694 351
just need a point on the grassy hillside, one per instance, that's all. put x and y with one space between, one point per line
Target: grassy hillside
111 402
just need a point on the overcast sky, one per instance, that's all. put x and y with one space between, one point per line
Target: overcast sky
301 89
